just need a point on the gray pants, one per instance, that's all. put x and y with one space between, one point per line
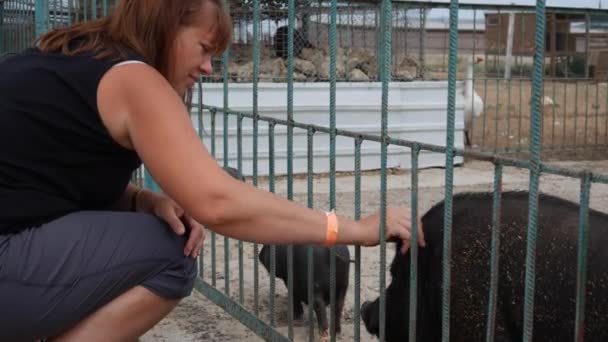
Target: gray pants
53 276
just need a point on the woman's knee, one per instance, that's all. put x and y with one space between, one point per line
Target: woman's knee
176 279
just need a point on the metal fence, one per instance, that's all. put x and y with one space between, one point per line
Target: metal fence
533 125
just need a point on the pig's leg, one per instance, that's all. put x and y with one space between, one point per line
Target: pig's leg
298 311
319 306
339 308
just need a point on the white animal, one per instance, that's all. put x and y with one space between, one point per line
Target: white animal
473 105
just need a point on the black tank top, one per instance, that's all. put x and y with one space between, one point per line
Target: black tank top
56 156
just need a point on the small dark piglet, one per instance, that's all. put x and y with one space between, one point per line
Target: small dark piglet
321 288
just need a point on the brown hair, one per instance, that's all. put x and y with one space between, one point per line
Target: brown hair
147 27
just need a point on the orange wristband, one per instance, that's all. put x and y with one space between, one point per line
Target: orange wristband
332 229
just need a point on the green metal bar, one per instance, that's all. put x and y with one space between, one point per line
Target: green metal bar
485 100
70 9
497 113
3 48
575 112
225 62
105 8
520 113
482 156
41 15
553 114
273 253
239 312
290 70
385 79
495 253
332 161
239 132
85 11
449 172
508 113
213 234
56 11
597 113
200 126
256 72
415 152
357 308
535 147
93 9
309 251
583 241
565 114
587 24
585 143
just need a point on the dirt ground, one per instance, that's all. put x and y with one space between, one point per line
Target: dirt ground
577 117
196 318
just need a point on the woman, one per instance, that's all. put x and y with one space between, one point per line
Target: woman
86 256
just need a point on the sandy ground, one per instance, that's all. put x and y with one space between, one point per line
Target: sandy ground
197 319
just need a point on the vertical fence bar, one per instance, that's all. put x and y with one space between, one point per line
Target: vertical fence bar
93 9
239 133
495 253
581 276
585 143
225 60
332 162
273 251
415 152
553 109
449 172
385 78
310 265
520 114
565 114
200 126
497 115
535 147
597 113
587 24
576 81
213 234
485 100
42 17
85 10
357 318
606 117
3 48
290 67
421 49
256 72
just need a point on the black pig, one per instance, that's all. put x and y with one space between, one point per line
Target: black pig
556 273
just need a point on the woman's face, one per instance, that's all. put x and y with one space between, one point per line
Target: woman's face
192 50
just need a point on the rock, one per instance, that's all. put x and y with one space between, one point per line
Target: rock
305 67
357 75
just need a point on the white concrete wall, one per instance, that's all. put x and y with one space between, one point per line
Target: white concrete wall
417 111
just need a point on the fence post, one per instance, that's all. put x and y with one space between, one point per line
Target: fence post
2 45
42 17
